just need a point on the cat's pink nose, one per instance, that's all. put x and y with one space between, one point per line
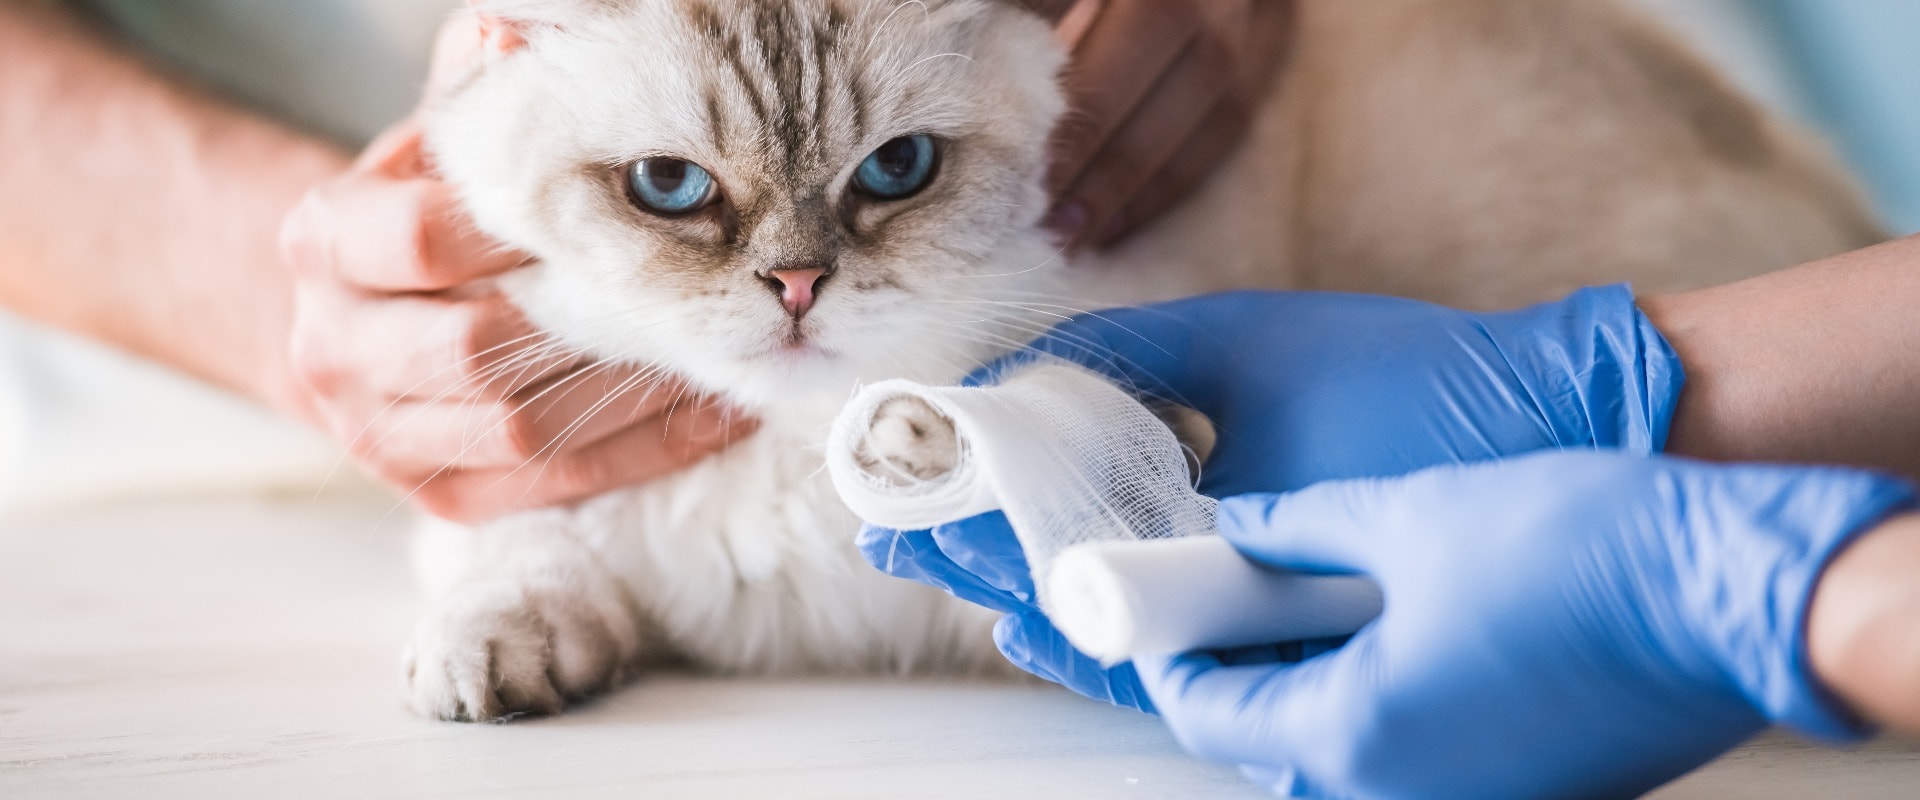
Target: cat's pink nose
797 287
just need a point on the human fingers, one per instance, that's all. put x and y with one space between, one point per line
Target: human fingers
1116 65
1030 642
1337 526
1052 10
1192 122
570 412
661 446
1162 127
1144 195
390 234
349 345
1180 352
915 556
1267 714
986 548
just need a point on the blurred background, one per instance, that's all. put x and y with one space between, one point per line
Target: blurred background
79 424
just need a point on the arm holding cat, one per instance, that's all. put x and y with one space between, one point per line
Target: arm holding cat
148 214
143 213
433 379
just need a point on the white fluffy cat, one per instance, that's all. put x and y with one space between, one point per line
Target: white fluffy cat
779 200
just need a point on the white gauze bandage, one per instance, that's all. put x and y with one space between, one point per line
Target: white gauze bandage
1098 492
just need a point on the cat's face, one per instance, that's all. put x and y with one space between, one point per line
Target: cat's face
767 196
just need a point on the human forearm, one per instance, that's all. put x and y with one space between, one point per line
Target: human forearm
1863 630
1820 363
144 213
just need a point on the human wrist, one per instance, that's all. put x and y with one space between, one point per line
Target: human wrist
1863 625
259 365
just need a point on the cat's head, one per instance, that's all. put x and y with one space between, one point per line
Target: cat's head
767 197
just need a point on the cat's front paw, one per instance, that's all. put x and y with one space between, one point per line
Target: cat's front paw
498 648
908 442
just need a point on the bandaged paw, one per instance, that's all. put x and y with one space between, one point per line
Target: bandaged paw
908 441
1076 463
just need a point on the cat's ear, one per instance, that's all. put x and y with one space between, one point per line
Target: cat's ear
501 34
506 24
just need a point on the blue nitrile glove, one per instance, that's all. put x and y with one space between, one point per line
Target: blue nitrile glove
1305 387
1310 386
1566 624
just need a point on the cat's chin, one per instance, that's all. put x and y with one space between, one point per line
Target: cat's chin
777 375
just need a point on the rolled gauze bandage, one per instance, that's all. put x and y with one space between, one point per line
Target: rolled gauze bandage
1114 600
1073 460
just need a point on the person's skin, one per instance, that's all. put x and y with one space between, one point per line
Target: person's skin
437 383
143 213
146 213
1161 91
1863 629
1819 363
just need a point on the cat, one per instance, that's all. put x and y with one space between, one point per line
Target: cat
778 201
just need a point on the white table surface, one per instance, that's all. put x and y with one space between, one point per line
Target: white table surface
228 649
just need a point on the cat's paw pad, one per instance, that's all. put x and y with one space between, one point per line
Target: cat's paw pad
494 650
908 442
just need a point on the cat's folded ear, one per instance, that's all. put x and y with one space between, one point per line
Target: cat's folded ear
506 24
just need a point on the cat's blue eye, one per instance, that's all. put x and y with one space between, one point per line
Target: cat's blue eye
899 169
670 186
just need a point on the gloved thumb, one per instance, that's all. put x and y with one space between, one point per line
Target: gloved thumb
1268 714
1333 527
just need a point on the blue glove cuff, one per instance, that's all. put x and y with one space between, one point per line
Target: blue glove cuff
1609 372
1767 642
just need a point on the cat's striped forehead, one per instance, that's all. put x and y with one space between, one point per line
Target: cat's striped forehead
794 81
785 68
781 90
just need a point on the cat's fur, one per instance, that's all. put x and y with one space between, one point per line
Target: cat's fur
1475 152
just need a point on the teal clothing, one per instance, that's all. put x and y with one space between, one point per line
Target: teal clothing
1858 62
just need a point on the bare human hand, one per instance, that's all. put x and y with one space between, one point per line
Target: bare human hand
434 381
1161 91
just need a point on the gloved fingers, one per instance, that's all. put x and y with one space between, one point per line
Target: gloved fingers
1145 350
1282 781
1336 526
915 556
1154 363
986 547
1031 642
1258 714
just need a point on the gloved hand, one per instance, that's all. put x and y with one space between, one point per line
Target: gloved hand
1563 624
1305 387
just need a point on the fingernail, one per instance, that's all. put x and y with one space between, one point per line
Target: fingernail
1066 221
